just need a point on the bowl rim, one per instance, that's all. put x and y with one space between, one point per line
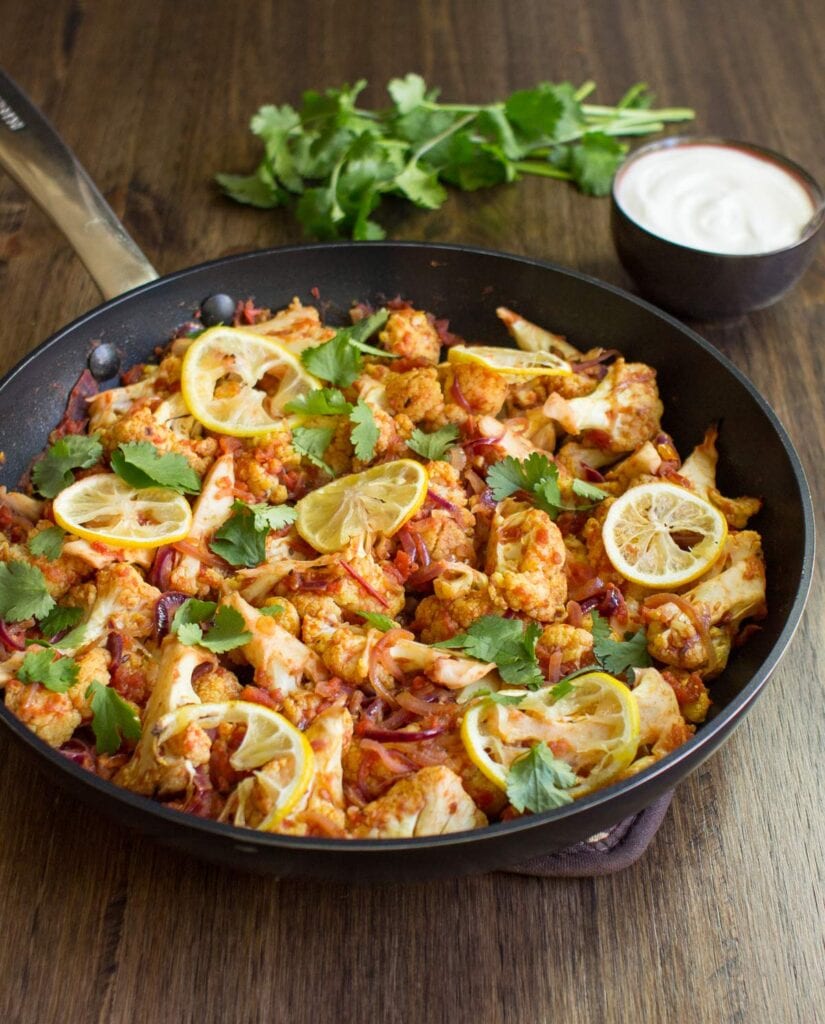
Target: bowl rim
803 176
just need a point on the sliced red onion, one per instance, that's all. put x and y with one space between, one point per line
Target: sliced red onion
436 499
363 583
459 396
400 736
586 364
591 474
162 567
8 640
165 607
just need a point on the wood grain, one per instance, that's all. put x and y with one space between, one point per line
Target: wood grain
721 921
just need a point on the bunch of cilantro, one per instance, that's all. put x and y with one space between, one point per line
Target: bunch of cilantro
333 162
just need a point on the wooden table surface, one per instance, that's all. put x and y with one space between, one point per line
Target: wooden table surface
721 921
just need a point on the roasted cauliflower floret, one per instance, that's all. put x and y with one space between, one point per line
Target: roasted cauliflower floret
409 333
431 802
51 716
461 595
699 469
567 647
262 465
443 537
622 413
525 560
141 425
124 603
472 389
699 637
211 510
662 726
322 811
216 685
297 327
415 393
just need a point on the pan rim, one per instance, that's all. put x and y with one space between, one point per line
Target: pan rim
727 718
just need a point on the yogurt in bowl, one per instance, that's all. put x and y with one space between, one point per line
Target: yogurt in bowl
712 228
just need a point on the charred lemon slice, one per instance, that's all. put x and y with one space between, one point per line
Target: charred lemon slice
663 536
103 508
277 754
238 382
511 362
596 725
378 500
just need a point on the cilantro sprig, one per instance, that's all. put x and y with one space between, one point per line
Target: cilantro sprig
241 540
54 471
23 592
339 359
225 633
618 657
509 643
538 477
378 621
331 402
312 443
433 446
333 162
140 464
113 718
49 669
48 543
538 781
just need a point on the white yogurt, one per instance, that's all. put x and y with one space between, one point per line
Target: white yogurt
716 198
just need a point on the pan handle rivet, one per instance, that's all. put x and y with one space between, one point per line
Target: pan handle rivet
104 361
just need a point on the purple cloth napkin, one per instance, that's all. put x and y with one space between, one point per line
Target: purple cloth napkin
602 854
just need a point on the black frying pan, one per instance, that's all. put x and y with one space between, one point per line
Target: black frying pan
698 386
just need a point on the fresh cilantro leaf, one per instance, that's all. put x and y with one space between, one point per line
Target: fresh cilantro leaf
504 698
312 442
54 471
23 592
618 656
141 465
272 611
507 643
408 92
378 621
336 361
561 689
191 613
241 540
594 163
114 720
365 433
538 477
227 633
320 402
256 189
588 491
60 618
433 446
55 673
48 543
538 781
421 186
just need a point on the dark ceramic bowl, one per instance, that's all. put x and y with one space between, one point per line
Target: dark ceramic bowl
710 285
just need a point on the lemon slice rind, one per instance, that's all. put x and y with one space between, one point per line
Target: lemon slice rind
511 362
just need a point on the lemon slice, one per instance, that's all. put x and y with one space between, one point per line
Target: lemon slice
238 382
103 508
663 536
378 500
597 725
511 362
278 755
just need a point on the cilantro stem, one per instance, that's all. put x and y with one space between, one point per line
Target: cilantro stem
543 169
434 141
584 90
638 114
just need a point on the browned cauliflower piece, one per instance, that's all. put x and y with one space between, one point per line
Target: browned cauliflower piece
443 537
124 602
322 810
51 716
262 465
212 508
93 666
699 469
297 327
141 425
415 393
410 334
461 595
619 415
525 560
431 802
570 646
733 591
216 685
663 727
471 389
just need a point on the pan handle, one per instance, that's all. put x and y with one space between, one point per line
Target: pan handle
43 165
